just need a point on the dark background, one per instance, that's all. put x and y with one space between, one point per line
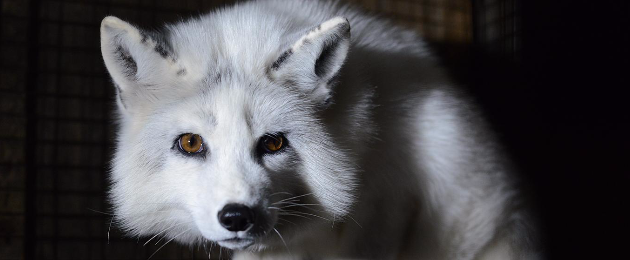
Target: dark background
566 121
549 74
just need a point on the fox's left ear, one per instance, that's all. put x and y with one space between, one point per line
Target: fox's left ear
142 66
312 63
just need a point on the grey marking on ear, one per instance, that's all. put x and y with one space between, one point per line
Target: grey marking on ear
160 50
318 28
217 77
283 57
181 72
315 29
129 64
291 82
162 44
145 38
213 78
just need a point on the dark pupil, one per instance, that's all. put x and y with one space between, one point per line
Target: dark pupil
192 141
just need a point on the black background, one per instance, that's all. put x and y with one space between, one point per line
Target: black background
565 120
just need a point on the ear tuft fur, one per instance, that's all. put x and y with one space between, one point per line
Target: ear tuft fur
313 61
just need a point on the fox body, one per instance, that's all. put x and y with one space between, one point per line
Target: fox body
304 129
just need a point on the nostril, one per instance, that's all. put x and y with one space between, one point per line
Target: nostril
236 217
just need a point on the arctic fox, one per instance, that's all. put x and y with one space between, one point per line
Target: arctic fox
304 130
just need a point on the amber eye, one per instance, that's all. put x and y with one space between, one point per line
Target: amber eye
190 143
271 143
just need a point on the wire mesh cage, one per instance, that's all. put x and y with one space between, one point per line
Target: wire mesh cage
496 26
56 103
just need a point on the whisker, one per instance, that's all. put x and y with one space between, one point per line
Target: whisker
306 206
286 202
296 201
109 229
285 243
295 197
282 192
100 212
175 225
145 244
355 221
296 215
168 242
297 204
281 219
304 213
166 229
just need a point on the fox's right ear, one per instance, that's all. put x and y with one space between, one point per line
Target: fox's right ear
138 63
313 62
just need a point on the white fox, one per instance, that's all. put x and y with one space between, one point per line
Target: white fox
304 130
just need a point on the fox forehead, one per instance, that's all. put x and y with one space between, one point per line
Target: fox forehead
232 42
234 104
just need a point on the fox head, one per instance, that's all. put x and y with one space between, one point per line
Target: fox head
220 132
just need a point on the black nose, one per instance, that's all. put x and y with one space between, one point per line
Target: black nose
236 217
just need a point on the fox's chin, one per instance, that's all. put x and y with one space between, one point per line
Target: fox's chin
253 247
236 243
257 247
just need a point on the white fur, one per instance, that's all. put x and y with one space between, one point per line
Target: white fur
386 159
